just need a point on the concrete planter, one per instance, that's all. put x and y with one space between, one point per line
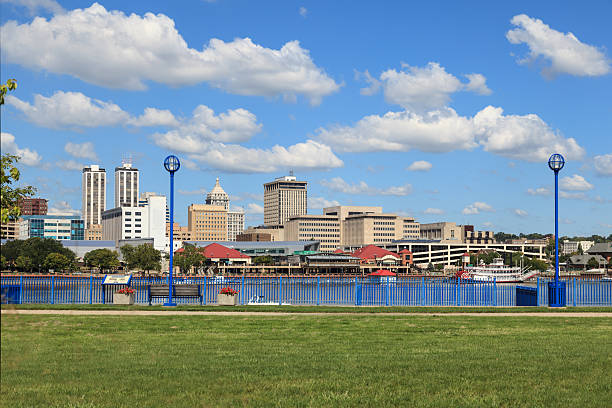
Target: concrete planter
123 299
227 300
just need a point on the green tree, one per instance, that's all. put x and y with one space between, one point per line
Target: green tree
24 264
128 252
580 251
102 259
3 262
536 264
263 260
10 85
10 195
188 258
592 263
148 258
58 262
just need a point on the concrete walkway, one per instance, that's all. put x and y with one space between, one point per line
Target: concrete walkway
275 314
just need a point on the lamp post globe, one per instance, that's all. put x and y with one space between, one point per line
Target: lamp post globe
556 162
172 163
556 289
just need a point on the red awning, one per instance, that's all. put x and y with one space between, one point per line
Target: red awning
382 272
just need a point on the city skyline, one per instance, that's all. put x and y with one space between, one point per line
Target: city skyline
441 114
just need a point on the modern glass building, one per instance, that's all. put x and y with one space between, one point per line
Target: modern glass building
60 227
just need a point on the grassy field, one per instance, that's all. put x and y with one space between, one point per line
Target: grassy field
305 361
313 309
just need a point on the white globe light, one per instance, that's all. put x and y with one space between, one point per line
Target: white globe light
556 162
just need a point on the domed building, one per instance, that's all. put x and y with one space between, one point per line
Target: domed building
218 196
235 219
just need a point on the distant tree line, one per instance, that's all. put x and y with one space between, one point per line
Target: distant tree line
37 255
503 237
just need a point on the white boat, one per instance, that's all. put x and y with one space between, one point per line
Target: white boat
498 272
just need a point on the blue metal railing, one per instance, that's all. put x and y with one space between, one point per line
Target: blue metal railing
322 290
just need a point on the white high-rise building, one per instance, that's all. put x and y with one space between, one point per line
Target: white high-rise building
93 194
284 198
127 184
146 221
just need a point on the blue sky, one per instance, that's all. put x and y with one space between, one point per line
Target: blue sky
444 111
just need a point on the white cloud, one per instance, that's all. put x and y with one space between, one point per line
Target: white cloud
575 183
540 191
437 131
518 137
421 89
338 184
34 6
69 165
309 155
520 213
478 84
155 117
65 109
62 208
253 208
28 157
436 211
321 202
572 196
115 50
566 54
488 224
603 164
193 136
82 151
477 207
303 12
190 164
525 137
199 191
420 165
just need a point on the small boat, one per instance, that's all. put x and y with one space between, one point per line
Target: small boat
498 272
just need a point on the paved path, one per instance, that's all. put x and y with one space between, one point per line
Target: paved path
275 314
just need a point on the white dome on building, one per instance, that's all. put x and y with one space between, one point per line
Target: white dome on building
218 196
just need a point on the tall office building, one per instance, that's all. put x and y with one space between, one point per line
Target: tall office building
126 185
207 222
94 194
285 197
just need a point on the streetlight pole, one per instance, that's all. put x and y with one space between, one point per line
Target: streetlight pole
556 293
171 164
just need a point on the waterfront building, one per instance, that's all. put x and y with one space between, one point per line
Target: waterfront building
127 184
60 227
207 222
285 197
93 194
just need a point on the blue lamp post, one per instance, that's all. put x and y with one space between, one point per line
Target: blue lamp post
171 164
556 289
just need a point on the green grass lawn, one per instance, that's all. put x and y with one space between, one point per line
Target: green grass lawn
312 309
306 361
